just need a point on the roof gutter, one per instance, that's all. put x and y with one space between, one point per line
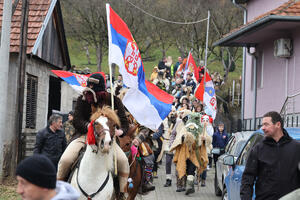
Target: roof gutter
44 26
243 8
255 24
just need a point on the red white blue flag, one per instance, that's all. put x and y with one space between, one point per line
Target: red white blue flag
77 81
191 67
206 93
147 103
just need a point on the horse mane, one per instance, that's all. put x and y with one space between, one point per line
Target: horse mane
106 111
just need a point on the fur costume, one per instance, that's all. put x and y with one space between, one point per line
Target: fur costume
193 147
84 108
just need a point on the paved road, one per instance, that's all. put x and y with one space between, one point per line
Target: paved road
169 193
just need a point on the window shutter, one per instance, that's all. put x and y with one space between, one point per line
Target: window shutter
31 101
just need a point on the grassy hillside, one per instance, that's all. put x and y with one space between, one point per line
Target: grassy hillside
8 190
79 59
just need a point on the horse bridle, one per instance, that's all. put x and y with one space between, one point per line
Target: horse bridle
89 197
97 136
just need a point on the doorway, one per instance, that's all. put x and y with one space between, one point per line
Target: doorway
54 95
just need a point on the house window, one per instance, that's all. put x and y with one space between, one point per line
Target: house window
31 101
260 70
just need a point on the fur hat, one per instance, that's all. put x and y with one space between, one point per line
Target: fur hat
38 170
184 97
97 82
155 69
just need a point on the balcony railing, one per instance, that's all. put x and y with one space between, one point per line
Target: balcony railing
289 113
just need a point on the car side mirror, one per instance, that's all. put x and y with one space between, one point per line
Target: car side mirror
216 151
228 160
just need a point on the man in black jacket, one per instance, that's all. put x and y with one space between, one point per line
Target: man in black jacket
51 141
273 163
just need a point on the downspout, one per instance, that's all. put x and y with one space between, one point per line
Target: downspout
254 85
244 65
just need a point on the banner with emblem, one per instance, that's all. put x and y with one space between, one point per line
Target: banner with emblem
206 94
147 103
77 81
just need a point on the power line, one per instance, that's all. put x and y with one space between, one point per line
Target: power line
165 20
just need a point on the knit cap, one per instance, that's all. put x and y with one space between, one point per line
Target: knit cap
38 170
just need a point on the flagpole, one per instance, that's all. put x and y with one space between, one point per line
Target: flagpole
109 63
206 47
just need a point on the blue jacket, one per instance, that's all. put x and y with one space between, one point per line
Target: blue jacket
220 139
159 132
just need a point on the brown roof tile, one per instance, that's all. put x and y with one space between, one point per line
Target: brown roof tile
37 12
290 8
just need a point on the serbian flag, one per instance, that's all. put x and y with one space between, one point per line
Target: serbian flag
77 81
147 103
191 67
206 94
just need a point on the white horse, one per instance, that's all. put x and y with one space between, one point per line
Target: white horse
94 178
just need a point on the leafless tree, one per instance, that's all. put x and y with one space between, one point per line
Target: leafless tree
86 20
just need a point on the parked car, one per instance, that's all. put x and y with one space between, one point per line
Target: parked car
233 147
233 179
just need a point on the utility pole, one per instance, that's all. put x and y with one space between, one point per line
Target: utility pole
4 67
21 78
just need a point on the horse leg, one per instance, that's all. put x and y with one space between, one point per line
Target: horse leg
136 175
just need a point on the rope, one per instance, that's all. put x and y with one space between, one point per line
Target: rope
115 155
132 160
129 153
165 20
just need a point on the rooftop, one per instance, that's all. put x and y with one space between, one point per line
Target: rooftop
38 10
287 12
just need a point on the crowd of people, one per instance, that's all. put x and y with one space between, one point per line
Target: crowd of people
185 138
177 134
61 143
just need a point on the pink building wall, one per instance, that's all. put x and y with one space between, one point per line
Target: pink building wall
276 87
280 78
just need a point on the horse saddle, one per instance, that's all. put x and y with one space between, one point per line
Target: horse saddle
76 163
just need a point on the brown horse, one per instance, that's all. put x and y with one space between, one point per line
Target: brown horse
134 162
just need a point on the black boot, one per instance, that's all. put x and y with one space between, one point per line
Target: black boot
147 187
168 183
190 185
202 183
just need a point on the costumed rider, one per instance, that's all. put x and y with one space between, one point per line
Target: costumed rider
94 96
190 145
161 81
144 133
